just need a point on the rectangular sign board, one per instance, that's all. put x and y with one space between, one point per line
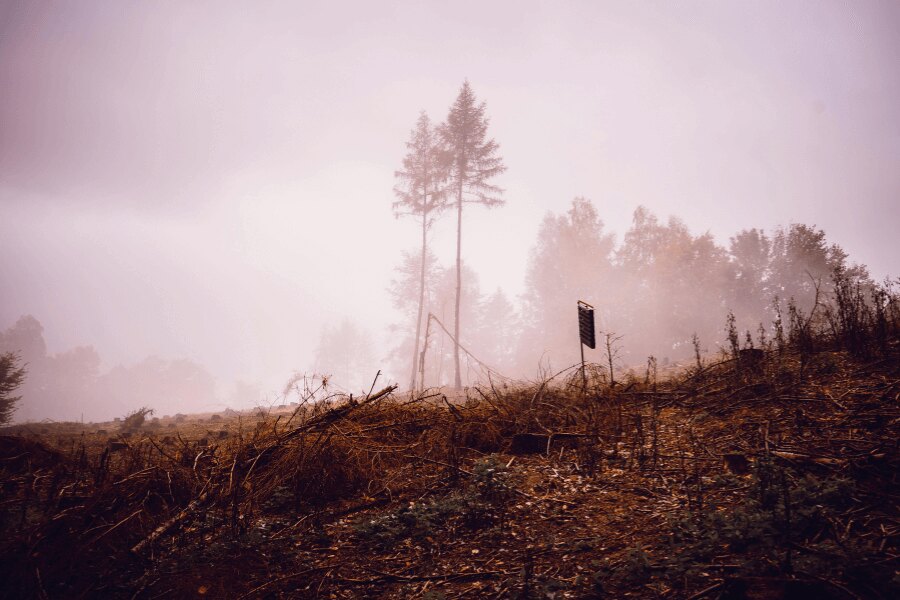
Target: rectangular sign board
586 324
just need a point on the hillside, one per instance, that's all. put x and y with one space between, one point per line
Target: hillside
769 475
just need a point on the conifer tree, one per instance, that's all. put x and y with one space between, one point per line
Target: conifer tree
420 194
472 161
12 374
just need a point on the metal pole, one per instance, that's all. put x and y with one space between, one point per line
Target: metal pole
583 373
586 335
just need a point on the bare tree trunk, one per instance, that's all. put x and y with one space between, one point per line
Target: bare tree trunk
415 360
457 379
422 356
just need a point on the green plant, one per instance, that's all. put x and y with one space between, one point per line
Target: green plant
733 340
781 512
12 375
489 493
482 503
417 521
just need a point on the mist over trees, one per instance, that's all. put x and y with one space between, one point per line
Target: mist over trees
450 169
662 284
657 288
70 385
345 355
657 291
493 323
571 261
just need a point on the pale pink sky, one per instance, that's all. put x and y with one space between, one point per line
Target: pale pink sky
214 179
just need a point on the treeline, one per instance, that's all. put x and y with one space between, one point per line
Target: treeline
661 291
656 291
70 385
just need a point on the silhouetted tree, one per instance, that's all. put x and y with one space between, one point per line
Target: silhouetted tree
472 161
12 375
569 262
420 194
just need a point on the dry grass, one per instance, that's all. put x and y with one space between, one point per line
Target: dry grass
641 489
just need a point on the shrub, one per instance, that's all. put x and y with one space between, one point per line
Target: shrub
779 512
489 494
481 504
135 420
417 521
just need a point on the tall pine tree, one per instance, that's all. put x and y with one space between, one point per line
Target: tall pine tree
420 194
472 160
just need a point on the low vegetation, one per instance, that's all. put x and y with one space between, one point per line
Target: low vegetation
767 473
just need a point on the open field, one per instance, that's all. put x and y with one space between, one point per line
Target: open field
770 476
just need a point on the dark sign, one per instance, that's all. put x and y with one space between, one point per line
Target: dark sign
586 324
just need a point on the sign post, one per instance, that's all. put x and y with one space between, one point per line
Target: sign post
586 330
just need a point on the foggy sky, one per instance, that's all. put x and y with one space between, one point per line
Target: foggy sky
214 180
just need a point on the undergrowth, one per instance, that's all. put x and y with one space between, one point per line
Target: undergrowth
777 462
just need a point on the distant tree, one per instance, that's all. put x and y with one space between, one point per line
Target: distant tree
673 285
442 353
170 386
71 381
751 255
25 338
12 375
803 261
497 333
61 385
420 194
569 262
472 161
404 290
439 301
345 353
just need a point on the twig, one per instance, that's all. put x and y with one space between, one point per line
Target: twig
706 591
283 578
114 527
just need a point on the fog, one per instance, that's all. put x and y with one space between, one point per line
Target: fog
203 193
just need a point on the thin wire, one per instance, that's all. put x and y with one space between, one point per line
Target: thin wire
463 348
